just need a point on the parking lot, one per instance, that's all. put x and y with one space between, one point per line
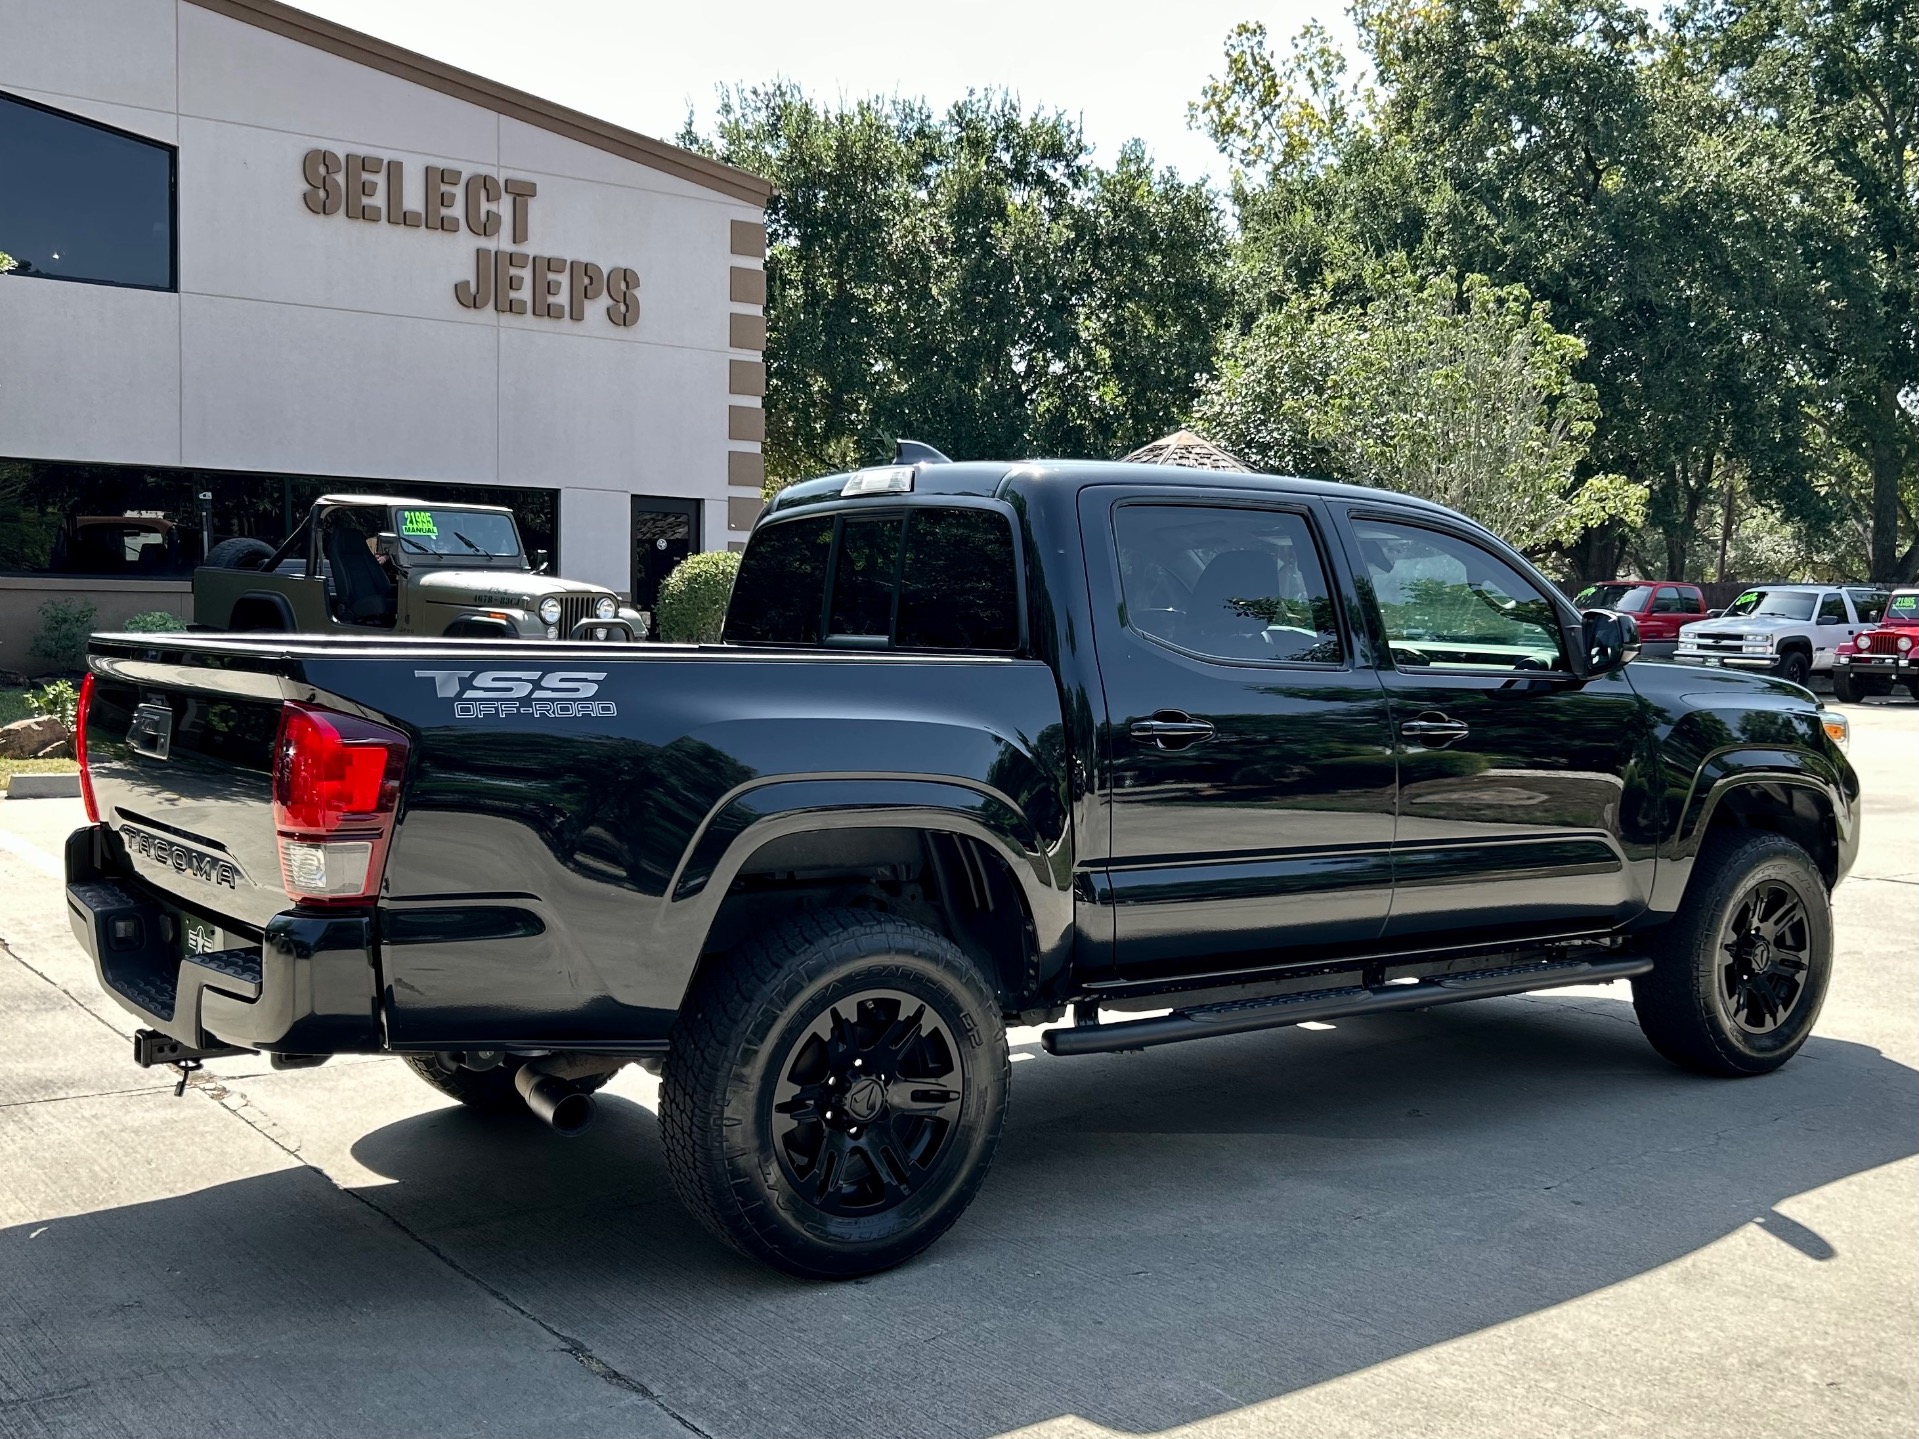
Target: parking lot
1507 1218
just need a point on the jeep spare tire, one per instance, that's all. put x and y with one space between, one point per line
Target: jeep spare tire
239 553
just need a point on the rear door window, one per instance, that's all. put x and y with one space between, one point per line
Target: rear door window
1227 583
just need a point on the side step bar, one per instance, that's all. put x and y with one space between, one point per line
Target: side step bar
1243 1015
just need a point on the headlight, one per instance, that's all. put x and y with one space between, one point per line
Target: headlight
550 611
1904 642
606 608
1838 728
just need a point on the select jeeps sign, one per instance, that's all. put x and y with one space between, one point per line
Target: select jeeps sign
513 282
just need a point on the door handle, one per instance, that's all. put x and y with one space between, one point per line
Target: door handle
1171 729
1433 729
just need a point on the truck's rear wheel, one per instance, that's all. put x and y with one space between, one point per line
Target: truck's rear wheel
834 1093
1742 968
485 1091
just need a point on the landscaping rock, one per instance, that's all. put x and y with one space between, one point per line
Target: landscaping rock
28 737
59 749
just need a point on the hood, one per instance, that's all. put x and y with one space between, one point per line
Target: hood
509 589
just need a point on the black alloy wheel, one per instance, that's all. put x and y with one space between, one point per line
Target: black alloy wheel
1766 944
834 1092
867 1102
1741 970
1795 665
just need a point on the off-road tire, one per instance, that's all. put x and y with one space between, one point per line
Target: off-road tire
1912 688
484 1091
1794 665
1844 689
743 1033
1679 1001
239 553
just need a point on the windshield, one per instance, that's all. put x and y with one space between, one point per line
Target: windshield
1903 608
1776 604
1630 599
455 532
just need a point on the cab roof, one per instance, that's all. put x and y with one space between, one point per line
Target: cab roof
993 478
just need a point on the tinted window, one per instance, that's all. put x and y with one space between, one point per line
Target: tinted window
1667 603
864 574
1868 604
781 585
1630 599
1446 603
957 588
1691 603
81 202
1832 610
1235 584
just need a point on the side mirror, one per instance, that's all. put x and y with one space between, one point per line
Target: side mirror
541 559
1714 614
1612 641
387 543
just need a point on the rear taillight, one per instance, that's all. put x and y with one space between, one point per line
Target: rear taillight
336 788
80 748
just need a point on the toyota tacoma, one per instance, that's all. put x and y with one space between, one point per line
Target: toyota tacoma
1160 754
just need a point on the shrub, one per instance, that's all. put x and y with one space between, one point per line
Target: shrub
154 622
56 700
693 598
64 627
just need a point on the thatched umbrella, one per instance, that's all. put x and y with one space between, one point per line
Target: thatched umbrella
1187 449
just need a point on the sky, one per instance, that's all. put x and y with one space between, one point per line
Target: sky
1124 69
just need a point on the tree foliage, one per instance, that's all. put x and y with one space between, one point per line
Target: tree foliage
1460 392
970 279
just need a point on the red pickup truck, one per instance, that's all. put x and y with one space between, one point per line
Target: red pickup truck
1873 662
1660 607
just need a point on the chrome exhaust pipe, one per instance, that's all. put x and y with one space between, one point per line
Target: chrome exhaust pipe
567 1110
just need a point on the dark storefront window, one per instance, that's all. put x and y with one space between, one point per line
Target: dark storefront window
146 522
80 201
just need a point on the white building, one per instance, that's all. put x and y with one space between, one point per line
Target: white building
263 257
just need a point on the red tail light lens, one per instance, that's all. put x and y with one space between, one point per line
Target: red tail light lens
336 789
80 748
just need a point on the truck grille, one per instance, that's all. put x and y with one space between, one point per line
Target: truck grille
1715 641
1880 642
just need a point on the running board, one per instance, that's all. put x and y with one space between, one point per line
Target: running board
1243 1015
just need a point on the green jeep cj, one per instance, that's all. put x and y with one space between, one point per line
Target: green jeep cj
369 562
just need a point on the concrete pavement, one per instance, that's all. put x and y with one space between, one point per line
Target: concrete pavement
1507 1218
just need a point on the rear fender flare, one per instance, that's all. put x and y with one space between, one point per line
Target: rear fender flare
749 819
273 600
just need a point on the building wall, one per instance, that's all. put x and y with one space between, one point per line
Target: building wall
324 345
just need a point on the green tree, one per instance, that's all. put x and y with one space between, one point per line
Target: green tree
1457 391
970 279
1839 80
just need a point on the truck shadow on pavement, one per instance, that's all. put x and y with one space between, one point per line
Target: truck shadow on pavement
1165 1237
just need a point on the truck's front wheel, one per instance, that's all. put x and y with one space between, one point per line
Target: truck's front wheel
1742 969
834 1093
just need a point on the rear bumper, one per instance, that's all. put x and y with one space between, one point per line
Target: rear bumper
308 987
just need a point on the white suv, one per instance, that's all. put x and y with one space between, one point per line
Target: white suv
1788 630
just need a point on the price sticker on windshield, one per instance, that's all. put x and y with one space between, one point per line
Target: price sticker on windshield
419 522
1752 595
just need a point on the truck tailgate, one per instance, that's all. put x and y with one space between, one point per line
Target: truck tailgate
180 752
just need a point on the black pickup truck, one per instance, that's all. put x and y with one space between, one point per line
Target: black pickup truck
1178 754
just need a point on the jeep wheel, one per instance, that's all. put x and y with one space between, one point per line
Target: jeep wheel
1795 665
1843 688
834 1093
485 1091
1741 970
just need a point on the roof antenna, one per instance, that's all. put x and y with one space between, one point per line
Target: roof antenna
914 452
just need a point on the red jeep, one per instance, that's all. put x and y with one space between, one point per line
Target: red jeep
1877 659
1660 607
